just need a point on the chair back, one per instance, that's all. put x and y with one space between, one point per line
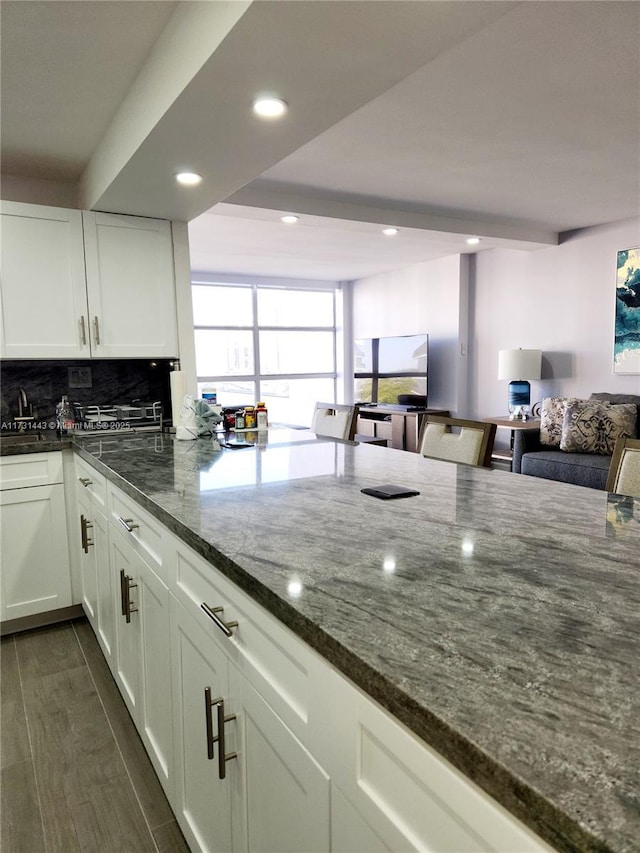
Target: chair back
457 440
624 470
335 420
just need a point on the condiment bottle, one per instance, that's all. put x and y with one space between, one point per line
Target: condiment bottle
240 419
262 421
249 417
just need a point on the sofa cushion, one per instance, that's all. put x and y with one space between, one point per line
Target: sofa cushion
593 426
620 398
582 469
552 418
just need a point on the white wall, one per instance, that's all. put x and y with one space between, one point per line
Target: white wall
431 297
560 300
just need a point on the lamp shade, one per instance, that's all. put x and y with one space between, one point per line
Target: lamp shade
519 364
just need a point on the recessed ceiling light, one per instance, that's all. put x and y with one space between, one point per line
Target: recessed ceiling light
269 107
289 218
390 232
188 179
473 241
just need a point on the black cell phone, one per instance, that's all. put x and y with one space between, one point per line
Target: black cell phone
389 491
232 444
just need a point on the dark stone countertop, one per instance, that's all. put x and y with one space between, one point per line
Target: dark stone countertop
19 442
496 615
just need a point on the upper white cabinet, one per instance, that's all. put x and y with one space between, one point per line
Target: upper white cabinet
130 286
80 285
44 296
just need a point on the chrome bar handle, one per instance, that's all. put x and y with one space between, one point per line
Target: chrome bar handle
212 612
123 584
96 329
222 755
87 526
211 738
85 481
128 586
83 331
128 524
83 534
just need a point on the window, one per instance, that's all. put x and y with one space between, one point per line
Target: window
263 342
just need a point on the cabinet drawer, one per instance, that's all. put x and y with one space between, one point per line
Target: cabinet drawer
30 469
90 481
273 659
144 533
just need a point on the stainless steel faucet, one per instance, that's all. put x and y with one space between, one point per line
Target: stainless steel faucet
25 409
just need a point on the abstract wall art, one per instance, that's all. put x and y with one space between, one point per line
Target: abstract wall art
626 347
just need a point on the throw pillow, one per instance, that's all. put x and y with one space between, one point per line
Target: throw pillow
594 426
552 418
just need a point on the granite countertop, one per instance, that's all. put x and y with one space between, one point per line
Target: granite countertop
18 442
496 615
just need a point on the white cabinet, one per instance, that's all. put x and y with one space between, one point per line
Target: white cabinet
202 800
269 793
141 664
130 286
80 285
34 552
44 300
92 543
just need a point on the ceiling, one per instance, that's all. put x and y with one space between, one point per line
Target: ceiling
513 122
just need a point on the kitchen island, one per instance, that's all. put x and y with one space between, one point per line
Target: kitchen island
496 616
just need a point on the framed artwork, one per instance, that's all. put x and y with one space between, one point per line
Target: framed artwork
626 346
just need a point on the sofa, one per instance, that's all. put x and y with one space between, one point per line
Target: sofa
536 453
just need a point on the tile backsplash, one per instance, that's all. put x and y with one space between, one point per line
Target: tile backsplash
101 382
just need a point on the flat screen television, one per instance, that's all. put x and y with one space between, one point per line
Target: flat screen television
390 369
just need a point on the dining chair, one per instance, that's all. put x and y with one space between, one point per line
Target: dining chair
457 440
624 470
335 420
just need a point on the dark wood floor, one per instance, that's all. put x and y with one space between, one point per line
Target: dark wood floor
75 776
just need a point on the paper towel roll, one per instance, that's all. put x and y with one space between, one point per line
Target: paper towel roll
178 385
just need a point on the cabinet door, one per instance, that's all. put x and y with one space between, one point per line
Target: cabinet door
125 571
155 721
130 286
287 793
34 552
202 800
84 545
44 302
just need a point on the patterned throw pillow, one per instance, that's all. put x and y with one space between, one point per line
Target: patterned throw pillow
594 426
552 418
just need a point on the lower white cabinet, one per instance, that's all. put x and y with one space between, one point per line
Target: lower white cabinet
245 782
34 551
141 664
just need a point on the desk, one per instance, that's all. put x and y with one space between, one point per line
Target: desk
506 423
400 425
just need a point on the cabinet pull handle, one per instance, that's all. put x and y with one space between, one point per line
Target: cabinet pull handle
83 331
96 329
126 585
219 738
85 525
128 524
225 627
85 481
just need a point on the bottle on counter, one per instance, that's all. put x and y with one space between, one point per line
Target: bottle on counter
250 417
65 420
240 419
262 421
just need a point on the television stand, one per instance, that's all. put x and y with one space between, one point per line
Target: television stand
399 425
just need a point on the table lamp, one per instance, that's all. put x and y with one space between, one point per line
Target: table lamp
519 366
